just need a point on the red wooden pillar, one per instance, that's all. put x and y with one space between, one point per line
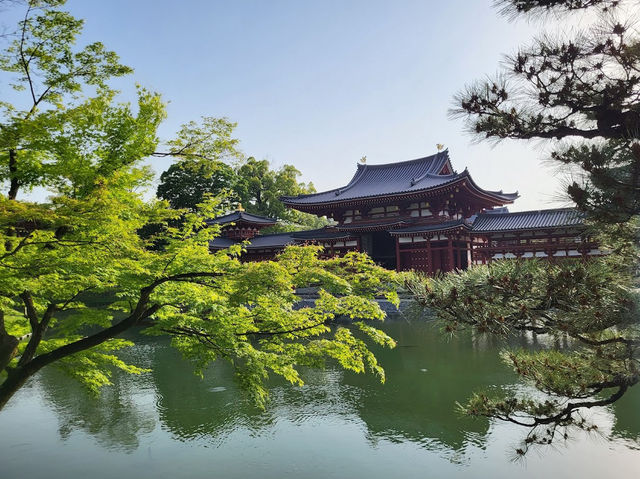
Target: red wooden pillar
489 255
429 258
451 263
397 253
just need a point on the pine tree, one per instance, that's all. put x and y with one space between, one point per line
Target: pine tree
581 94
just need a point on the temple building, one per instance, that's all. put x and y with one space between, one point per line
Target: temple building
422 215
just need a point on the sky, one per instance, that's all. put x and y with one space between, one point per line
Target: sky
319 84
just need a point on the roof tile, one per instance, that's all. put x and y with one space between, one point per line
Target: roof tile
527 220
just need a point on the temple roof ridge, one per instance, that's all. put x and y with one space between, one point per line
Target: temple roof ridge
398 178
443 154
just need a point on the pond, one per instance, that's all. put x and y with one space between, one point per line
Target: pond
170 423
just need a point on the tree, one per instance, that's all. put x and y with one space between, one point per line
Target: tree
201 170
251 183
58 257
185 184
259 189
583 90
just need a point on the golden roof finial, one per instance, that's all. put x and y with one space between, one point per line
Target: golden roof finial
363 160
439 146
239 208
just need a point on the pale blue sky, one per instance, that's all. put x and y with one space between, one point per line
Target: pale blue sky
318 84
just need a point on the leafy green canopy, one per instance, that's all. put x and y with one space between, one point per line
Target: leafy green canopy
185 185
203 151
74 273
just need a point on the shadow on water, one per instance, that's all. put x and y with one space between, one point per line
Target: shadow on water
426 374
116 418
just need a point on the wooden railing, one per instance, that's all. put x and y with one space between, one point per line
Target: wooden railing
519 250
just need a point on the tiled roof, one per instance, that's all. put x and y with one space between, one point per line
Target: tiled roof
242 216
279 240
382 223
320 234
392 178
428 228
221 243
527 220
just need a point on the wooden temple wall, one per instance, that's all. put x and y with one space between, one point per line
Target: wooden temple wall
443 253
338 248
551 245
431 255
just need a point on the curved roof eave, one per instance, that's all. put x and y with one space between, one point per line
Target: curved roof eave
502 197
507 197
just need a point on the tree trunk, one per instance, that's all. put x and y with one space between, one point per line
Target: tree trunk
17 377
13 170
15 381
8 345
37 328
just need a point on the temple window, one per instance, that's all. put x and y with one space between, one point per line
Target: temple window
351 215
384 211
419 209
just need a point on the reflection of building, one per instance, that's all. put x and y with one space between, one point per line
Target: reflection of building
423 215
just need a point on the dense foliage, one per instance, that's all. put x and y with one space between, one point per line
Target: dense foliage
203 151
249 183
259 188
75 274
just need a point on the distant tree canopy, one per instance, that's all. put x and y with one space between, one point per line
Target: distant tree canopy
186 183
259 188
251 183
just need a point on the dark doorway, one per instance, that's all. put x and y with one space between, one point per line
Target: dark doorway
381 246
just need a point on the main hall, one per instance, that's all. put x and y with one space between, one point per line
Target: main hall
419 215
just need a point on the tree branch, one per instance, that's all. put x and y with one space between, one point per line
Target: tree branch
141 311
29 310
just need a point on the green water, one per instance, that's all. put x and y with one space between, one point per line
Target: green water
169 423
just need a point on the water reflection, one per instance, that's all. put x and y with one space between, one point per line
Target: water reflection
116 418
191 408
626 417
426 374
